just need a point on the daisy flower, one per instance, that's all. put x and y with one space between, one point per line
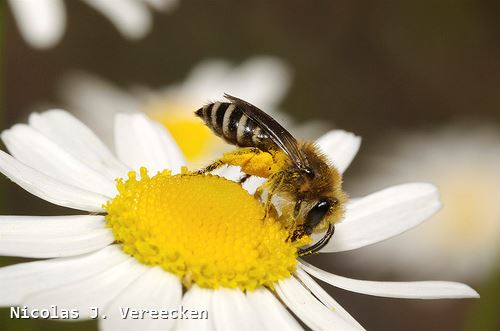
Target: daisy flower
42 22
262 80
162 238
463 240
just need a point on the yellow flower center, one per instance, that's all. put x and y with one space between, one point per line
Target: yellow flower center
194 138
469 218
205 229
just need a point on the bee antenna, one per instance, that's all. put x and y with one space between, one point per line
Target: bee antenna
317 246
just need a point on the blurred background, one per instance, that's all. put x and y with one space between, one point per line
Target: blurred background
418 80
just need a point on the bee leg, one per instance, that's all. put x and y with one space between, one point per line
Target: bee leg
297 233
244 178
260 190
245 150
258 195
268 205
317 246
217 164
252 161
296 209
276 181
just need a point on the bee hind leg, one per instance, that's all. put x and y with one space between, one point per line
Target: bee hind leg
243 157
211 167
244 178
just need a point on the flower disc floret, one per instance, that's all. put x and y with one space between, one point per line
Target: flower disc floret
205 229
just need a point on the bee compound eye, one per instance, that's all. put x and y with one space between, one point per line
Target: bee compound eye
317 213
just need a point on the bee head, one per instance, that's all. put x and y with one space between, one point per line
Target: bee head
318 212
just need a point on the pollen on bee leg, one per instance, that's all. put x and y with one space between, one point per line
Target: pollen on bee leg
251 160
205 229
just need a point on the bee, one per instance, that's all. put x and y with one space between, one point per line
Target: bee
296 171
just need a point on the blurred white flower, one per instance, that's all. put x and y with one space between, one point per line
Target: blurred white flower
262 81
42 22
463 240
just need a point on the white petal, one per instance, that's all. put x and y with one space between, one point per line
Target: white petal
48 188
163 5
200 299
19 280
232 173
271 312
52 236
312 312
233 311
262 80
157 290
383 215
253 183
78 140
141 142
202 83
340 147
35 150
95 291
132 18
325 298
173 152
408 290
41 22
96 101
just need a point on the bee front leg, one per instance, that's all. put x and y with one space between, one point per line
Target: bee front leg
298 233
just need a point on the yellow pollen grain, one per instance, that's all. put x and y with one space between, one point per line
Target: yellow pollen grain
205 229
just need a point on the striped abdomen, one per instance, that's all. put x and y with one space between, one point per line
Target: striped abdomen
229 122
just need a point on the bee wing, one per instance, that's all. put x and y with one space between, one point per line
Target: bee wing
278 134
